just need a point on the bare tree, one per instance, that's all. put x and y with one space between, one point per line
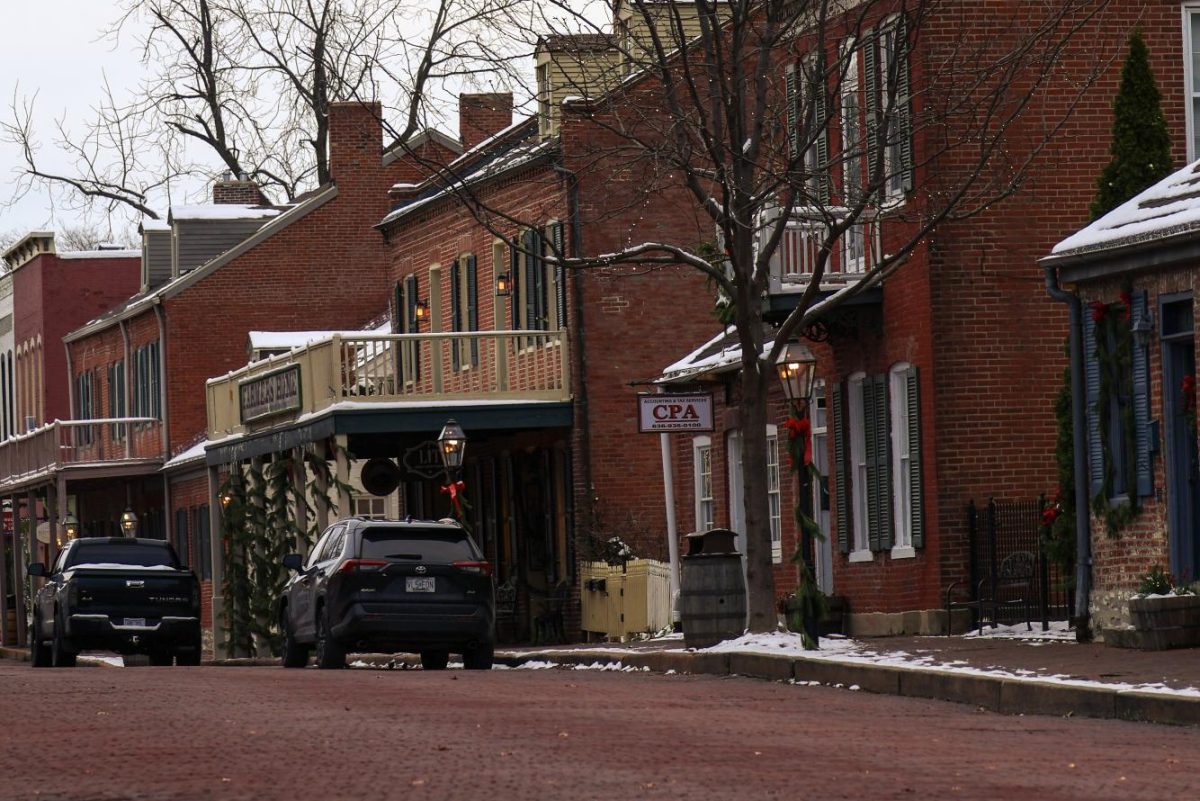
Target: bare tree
770 120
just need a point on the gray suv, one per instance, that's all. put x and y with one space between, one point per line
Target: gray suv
390 585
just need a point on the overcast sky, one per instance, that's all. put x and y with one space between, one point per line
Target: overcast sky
53 48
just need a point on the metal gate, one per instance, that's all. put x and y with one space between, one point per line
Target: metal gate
1003 528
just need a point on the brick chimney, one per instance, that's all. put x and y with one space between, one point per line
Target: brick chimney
236 190
356 142
483 115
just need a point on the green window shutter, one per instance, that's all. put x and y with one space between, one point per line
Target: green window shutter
903 104
792 99
1091 373
871 441
514 272
881 482
917 505
473 305
412 289
560 275
821 126
1141 403
456 320
842 494
871 89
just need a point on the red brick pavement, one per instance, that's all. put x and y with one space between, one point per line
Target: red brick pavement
267 733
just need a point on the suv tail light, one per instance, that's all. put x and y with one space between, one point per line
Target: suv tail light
475 568
362 566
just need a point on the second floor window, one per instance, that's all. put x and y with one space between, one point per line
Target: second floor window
146 382
116 396
464 310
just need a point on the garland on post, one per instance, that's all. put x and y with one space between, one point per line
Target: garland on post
235 583
1113 341
809 601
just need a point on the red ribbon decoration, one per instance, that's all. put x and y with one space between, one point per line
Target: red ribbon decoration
453 490
801 427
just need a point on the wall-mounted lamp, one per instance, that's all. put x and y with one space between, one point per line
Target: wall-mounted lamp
503 285
421 309
1142 328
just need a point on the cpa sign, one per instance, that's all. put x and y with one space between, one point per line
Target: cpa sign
659 413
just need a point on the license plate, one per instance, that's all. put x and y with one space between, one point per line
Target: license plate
418 584
135 621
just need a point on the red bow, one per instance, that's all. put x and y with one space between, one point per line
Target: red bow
454 490
801 427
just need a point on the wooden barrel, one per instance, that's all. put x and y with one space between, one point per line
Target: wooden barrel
712 598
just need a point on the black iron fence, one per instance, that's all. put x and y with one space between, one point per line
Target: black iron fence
1003 528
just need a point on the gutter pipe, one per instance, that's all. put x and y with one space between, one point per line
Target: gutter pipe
1083 541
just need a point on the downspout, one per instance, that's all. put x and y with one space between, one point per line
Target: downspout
581 394
160 314
1083 541
125 401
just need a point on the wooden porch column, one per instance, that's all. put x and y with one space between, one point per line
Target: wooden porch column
18 572
299 492
321 486
216 543
343 476
5 634
52 522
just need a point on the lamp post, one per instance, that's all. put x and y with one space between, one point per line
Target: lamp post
69 530
129 523
452 445
797 370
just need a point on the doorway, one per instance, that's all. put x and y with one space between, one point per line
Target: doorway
1182 464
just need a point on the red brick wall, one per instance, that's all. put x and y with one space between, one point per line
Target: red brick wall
188 493
481 115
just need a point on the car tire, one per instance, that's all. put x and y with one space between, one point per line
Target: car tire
61 653
292 654
39 650
161 659
331 654
435 660
188 657
480 657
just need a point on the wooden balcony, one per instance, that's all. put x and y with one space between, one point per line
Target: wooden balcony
79 443
390 368
794 260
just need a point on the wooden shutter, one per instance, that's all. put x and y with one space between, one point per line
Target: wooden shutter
792 100
155 379
180 538
916 485
821 126
473 305
456 320
871 106
1092 382
1141 403
841 496
412 290
903 104
879 461
871 443
560 275
514 271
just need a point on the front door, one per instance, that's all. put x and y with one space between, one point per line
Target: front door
1182 464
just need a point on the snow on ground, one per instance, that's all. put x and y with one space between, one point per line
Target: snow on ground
101 658
1060 631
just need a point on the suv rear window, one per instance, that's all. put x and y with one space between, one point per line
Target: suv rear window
416 544
138 554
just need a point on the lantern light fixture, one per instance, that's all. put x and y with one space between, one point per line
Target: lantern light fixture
797 369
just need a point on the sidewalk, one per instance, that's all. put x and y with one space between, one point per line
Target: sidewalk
1011 671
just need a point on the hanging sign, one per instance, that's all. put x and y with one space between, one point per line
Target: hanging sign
690 412
270 394
422 461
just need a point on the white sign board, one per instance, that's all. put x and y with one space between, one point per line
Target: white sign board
691 412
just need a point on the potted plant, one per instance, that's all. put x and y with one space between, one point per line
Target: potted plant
1164 614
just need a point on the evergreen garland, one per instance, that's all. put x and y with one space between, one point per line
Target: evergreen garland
1114 353
235 584
1141 146
1058 531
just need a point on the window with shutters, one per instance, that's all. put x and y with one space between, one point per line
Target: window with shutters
200 534
902 484
499 267
774 498
706 504
539 285
888 107
464 310
116 398
855 423
806 125
147 401
1191 71
407 298
851 124
85 405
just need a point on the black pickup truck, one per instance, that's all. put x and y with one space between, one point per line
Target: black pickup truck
116 594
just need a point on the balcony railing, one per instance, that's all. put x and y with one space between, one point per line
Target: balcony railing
794 261
386 368
75 442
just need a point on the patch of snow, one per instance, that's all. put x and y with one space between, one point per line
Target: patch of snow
224 211
1060 631
113 660
117 566
101 254
536 664
192 454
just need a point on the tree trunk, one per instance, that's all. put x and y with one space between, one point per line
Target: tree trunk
760 582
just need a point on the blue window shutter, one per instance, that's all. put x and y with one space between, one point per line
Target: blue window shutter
1092 381
917 502
841 497
560 275
871 88
1141 403
792 93
514 272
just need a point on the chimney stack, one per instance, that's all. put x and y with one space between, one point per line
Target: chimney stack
483 115
228 190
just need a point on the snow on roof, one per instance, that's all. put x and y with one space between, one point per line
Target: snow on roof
223 211
100 254
720 354
289 340
192 454
149 224
1169 207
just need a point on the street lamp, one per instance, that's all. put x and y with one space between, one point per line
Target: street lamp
129 522
797 370
452 444
70 529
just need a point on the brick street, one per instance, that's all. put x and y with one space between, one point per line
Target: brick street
101 734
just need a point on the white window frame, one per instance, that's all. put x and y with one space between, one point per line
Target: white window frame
850 90
370 502
902 499
774 496
1191 83
860 548
893 189
705 500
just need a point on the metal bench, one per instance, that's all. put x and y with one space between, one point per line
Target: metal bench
1011 587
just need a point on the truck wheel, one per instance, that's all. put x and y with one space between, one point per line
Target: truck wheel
479 657
61 653
435 660
293 654
330 653
39 651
